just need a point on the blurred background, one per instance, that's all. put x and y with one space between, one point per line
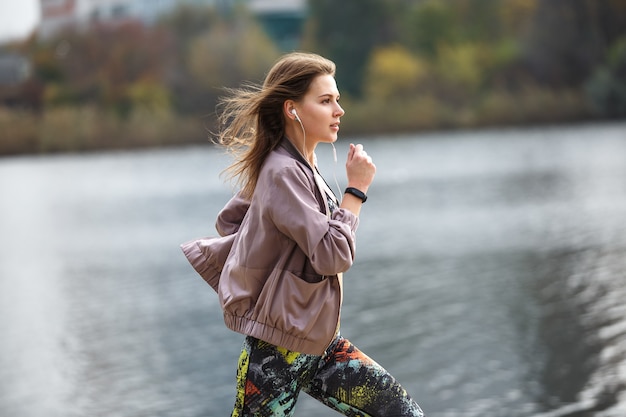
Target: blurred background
490 272
96 74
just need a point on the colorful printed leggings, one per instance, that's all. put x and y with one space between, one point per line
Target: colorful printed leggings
269 379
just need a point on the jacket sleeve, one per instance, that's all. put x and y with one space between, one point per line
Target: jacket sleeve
230 217
208 255
295 210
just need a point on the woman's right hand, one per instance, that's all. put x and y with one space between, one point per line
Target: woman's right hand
360 169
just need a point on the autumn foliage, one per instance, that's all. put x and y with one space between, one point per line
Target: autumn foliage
402 65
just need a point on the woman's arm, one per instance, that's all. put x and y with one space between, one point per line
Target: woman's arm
294 208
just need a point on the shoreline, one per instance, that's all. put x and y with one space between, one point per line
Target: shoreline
345 137
84 130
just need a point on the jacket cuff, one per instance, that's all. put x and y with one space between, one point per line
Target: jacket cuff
347 217
201 263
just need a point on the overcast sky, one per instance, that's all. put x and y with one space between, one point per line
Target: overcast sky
18 18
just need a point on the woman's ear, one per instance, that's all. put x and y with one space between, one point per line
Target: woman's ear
289 109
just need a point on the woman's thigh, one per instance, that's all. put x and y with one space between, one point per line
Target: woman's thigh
269 379
353 384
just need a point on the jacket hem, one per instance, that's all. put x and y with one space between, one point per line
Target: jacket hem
275 336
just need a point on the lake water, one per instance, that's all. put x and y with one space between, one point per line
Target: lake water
490 277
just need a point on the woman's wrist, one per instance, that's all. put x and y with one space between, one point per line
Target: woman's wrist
358 186
360 194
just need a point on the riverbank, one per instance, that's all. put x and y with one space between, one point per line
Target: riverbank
87 128
79 129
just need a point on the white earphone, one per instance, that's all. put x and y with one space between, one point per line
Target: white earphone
293 111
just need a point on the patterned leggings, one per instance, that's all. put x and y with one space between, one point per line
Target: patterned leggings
269 379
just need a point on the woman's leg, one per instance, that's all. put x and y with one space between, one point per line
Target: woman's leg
353 384
269 379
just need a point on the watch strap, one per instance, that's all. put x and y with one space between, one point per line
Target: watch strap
357 193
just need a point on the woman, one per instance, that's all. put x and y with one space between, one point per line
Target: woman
285 242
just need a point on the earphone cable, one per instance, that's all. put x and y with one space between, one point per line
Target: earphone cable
334 156
335 169
303 139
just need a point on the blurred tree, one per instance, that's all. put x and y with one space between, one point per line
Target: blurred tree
478 20
346 32
515 16
186 23
429 24
569 38
394 73
607 86
464 65
102 64
231 52
45 62
149 95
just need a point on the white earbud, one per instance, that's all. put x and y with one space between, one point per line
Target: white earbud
295 114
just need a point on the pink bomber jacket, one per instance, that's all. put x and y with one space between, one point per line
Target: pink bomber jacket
278 262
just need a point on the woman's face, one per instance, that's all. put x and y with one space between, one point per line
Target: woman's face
319 111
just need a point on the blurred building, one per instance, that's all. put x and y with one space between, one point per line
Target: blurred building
59 14
14 68
280 17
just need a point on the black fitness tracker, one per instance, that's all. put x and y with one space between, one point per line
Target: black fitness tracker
357 193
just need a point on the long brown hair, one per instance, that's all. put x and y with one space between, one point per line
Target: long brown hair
251 120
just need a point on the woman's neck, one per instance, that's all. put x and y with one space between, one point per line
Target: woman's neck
299 142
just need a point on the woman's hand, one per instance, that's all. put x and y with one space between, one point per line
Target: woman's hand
360 171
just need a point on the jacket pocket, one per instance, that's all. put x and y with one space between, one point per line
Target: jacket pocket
299 308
